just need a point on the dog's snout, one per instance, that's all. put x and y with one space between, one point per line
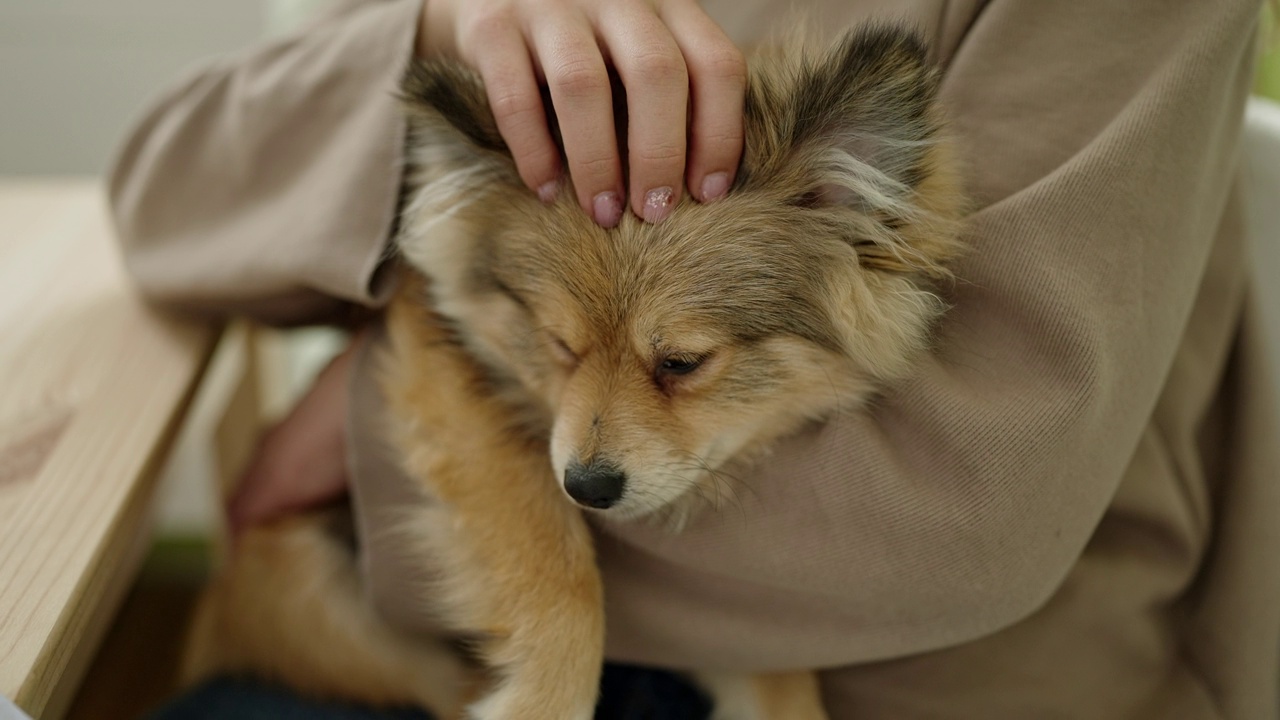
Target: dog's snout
597 485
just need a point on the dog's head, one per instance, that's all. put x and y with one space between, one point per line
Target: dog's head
659 353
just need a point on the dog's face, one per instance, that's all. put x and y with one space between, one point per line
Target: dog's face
659 353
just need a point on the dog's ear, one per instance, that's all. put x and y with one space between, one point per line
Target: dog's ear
455 161
451 130
855 132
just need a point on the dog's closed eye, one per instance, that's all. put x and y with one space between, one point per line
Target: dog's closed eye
563 353
679 365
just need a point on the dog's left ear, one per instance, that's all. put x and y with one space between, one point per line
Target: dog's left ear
856 131
451 131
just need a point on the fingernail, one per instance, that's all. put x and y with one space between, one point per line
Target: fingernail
607 209
657 204
548 191
714 186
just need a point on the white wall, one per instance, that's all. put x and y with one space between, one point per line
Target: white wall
73 73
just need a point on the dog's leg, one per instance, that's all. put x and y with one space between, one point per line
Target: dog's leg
515 562
776 696
288 606
522 574
789 696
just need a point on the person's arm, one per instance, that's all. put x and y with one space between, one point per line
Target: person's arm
1102 141
268 182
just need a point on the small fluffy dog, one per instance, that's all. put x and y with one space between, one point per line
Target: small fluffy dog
537 365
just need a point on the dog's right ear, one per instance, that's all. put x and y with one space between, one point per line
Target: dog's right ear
854 132
452 135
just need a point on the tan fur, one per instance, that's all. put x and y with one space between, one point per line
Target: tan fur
660 352
789 695
772 696
289 607
518 563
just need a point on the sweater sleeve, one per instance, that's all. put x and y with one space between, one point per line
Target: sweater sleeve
1101 140
267 182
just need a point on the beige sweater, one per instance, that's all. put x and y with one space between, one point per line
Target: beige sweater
1073 511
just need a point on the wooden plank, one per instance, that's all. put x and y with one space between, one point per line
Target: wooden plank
236 434
92 386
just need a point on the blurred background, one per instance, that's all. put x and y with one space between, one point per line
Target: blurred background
74 74
1268 84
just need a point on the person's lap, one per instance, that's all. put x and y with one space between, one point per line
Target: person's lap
626 693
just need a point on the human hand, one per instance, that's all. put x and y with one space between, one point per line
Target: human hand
663 51
301 462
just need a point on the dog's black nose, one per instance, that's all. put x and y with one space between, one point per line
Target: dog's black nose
598 485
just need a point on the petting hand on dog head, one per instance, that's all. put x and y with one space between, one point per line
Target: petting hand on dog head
662 50
651 357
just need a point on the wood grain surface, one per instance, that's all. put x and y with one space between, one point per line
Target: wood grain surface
92 386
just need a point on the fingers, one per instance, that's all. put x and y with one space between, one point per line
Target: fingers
516 101
685 85
579 83
718 81
649 63
288 472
